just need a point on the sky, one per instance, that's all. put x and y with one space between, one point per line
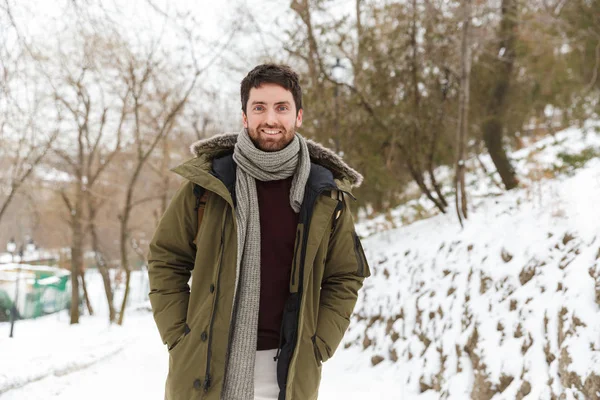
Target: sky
260 31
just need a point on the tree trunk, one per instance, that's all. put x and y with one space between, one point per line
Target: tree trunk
360 43
125 235
108 291
125 296
494 124
437 127
436 186
76 262
418 178
124 261
101 263
492 136
463 116
85 292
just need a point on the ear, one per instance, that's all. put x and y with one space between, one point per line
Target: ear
299 119
245 120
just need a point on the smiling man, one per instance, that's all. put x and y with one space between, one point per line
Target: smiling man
261 225
270 116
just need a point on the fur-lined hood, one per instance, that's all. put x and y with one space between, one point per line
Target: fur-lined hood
318 154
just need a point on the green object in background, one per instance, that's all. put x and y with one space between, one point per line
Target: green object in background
47 293
5 305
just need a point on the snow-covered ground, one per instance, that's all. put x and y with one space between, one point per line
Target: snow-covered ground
506 308
47 360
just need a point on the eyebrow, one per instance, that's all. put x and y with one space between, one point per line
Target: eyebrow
255 102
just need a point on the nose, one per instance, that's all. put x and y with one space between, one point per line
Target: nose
271 119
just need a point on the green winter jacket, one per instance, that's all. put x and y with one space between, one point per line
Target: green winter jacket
194 317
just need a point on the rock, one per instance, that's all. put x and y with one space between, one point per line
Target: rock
376 360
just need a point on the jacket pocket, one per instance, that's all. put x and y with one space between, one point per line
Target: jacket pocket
318 357
361 260
321 349
180 339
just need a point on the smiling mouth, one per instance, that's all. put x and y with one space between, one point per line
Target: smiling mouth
271 132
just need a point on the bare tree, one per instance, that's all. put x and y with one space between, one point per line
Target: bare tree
139 80
80 110
411 136
463 114
24 139
98 136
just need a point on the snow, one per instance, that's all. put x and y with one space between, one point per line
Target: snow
498 303
434 283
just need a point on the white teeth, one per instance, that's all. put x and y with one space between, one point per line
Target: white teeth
270 132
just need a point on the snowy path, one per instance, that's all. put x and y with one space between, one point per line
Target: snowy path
135 371
136 367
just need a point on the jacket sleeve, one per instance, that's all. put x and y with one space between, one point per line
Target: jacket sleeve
170 260
345 270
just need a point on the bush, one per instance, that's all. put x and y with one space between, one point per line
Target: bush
571 162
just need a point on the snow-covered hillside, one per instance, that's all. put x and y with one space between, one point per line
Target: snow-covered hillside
506 308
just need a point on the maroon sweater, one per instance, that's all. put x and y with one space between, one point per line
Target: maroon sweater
278 223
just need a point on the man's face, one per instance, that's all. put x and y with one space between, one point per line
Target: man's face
271 117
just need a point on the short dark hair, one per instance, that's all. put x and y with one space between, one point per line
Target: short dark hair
278 74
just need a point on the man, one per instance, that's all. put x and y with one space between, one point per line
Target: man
262 227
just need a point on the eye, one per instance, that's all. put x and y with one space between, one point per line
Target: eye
282 108
258 108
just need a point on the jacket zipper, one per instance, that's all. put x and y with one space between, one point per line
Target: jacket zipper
358 252
294 266
207 378
295 255
302 259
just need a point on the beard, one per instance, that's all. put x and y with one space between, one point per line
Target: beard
270 143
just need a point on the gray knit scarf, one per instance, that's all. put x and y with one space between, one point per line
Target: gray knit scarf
253 164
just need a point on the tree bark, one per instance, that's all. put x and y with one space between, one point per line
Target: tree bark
358 65
76 262
492 136
463 116
101 262
124 264
435 133
125 296
418 178
85 292
124 239
436 186
494 124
